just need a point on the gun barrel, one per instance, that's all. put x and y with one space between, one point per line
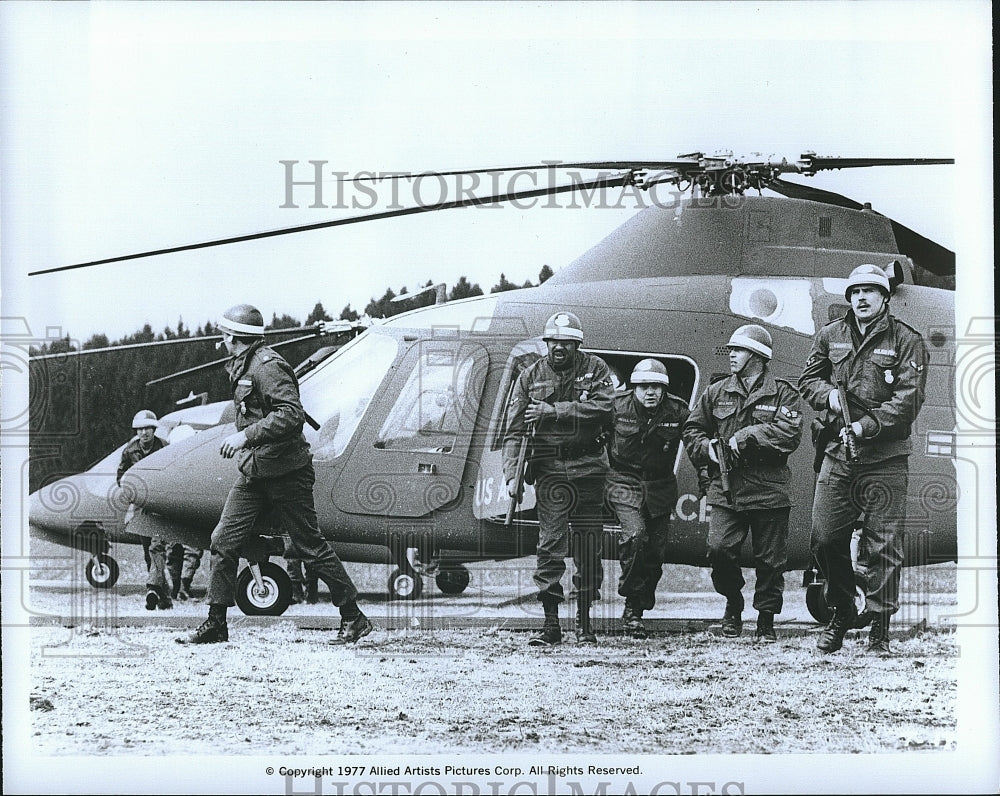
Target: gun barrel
519 474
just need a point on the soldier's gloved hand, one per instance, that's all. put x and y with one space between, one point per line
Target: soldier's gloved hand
834 401
512 487
711 450
855 427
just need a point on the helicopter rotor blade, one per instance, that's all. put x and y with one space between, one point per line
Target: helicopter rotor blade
600 182
796 190
686 162
810 163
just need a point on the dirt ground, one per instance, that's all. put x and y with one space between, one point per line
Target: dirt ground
102 689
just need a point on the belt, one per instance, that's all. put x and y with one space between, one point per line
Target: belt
640 473
567 451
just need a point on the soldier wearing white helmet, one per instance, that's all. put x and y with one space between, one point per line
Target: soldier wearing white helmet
642 486
276 473
754 420
145 442
881 363
567 398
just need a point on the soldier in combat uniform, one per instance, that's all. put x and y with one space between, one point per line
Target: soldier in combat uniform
881 362
567 398
642 487
276 472
754 420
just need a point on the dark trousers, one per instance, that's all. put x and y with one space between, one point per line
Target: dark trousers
291 496
641 553
562 503
845 492
768 529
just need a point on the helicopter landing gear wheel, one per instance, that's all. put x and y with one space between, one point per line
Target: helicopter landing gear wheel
816 601
102 571
405 585
270 598
453 579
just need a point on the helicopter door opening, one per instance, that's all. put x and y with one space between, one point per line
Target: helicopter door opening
414 458
491 500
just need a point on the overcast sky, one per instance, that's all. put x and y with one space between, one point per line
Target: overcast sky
130 127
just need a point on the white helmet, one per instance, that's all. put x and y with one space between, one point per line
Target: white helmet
867 275
242 320
753 338
649 371
145 418
563 326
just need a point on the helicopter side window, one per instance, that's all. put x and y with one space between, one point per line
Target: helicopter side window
427 415
338 392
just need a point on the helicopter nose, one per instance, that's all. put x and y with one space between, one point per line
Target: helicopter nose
52 507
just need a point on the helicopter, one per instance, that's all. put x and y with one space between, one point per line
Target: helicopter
411 413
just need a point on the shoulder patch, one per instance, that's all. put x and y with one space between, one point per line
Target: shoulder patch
789 413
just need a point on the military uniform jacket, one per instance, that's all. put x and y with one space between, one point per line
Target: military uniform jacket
133 453
767 425
268 409
643 451
886 369
583 397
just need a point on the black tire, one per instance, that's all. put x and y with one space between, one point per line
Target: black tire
405 586
277 594
102 571
452 579
816 602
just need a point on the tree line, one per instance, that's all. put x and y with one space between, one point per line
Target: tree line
81 407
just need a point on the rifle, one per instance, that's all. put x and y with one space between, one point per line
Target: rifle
519 474
850 439
722 454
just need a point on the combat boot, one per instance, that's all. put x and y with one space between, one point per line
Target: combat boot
212 630
878 636
184 593
765 627
551 633
165 603
832 638
152 598
312 591
352 630
297 594
584 630
732 619
632 622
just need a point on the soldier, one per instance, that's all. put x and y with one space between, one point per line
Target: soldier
566 397
881 363
276 472
139 447
754 420
183 562
642 487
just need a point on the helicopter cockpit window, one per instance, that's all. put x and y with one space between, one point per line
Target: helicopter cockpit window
338 393
428 414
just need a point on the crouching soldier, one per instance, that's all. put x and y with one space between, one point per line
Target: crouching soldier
743 428
641 485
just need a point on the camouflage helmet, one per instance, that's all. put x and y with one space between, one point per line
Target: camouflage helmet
145 418
242 320
867 275
649 371
753 338
563 326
